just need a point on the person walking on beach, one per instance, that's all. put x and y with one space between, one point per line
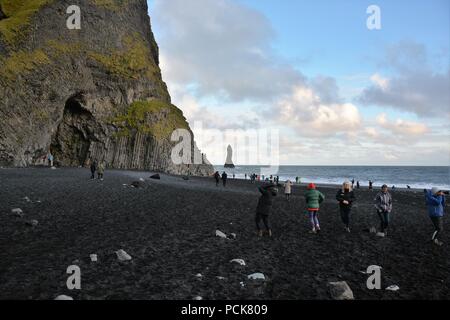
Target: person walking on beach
296 180
370 185
383 204
435 200
357 185
101 170
93 169
224 179
217 178
346 197
313 200
288 189
264 208
353 183
50 159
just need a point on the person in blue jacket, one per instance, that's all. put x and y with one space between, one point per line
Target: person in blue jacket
435 201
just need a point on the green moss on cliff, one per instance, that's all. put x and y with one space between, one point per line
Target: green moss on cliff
59 48
133 61
19 13
21 62
140 116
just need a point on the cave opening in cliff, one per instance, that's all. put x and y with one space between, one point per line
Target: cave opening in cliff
74 135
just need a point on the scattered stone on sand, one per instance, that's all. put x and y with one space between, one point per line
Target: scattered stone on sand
220 278
198 298
53 168
142 179
32 223
220 234
122 255
93 257
393 288
242 284
257 276
238 261
198 275
381 234
18 212
341 291
27 199
186 178
373 230
233 235
156 177
63 297
138 184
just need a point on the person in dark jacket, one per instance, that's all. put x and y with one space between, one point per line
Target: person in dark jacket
313 200
93 169
383 204
224 178
346 197
435 201
264 207
217 178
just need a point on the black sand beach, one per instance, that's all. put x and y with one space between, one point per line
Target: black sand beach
169 230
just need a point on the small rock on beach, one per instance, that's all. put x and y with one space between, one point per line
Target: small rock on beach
220 234
238 261
341 291
63 297
123 256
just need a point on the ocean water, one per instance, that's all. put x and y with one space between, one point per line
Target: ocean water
415 177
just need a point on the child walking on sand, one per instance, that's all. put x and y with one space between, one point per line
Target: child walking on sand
264 207
435 200
313 200
288 189
101 170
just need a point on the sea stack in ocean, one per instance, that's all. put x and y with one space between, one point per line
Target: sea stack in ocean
96 92
229 161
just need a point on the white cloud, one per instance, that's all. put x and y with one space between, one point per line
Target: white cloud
402 127
223 47
415 87
305 112
381 82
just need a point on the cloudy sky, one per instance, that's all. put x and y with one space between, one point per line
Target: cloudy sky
339 93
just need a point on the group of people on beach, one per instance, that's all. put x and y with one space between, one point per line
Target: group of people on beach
97 167
434 198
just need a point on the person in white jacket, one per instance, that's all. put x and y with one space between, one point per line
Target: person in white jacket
288 189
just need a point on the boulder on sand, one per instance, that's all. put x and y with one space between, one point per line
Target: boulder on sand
393 288
17 212
220 234
63 297
156 177
341 291
122 255
138 184
257 276
238 261
32 223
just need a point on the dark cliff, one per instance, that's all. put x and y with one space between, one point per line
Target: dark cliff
93 93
